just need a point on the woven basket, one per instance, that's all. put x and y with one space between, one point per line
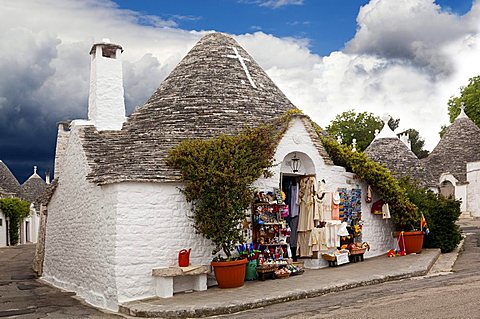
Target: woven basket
328 257
282 276
358 251
266 268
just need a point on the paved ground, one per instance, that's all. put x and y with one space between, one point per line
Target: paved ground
312 283
452 294
22 296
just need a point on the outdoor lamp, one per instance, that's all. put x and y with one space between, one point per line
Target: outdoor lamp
295 163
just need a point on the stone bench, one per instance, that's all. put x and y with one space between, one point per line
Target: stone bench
178 279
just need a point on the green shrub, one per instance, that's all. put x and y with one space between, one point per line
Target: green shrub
440 213
15 210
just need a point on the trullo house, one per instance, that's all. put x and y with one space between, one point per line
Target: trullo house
29 191
452 168
117 212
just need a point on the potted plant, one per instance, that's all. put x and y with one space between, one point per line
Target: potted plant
408 234
218 174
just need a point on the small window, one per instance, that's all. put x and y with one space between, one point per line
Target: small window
0 222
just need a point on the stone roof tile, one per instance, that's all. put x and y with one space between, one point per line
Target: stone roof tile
209 93
459 146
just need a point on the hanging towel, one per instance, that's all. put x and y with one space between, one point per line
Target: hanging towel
336 206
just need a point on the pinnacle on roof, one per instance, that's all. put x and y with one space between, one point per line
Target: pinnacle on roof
386 131
33 187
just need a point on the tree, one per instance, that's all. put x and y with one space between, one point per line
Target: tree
350 125
417 143
470 95
16 210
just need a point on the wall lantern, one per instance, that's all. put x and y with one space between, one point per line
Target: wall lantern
295 163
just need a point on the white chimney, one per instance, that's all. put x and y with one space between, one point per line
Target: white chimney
106 106
406 140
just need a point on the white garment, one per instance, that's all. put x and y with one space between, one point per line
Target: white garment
385 211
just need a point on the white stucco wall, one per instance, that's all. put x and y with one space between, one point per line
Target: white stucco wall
473 191
80 233
376 231
106 106
3 231
152 227
461 195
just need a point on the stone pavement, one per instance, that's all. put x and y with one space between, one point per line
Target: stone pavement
23 296
312 283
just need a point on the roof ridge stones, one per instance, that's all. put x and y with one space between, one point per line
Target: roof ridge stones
207 94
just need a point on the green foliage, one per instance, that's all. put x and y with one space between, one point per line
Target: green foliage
219 172
440 213
404 213
15 210
350 125
417 143
470 95
443 130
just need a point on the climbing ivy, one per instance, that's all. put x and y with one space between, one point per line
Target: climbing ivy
404 212
219 173
15 210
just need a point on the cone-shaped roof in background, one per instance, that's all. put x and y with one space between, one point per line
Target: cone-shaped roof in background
389 150
9 185
210 92
33 188
459 146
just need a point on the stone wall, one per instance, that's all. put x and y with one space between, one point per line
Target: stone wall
80 233
152 227
473 194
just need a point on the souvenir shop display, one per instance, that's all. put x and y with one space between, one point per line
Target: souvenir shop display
270 230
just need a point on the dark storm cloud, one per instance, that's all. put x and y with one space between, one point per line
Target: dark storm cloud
44 81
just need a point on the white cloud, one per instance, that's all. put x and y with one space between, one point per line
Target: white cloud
396 63
273 3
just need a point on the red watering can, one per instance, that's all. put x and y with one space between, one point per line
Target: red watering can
184 258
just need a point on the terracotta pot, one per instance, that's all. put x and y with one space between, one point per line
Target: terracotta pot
413 241
230 274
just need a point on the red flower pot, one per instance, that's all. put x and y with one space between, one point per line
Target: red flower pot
413 241
230 274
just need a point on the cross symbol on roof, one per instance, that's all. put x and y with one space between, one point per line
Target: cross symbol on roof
244 66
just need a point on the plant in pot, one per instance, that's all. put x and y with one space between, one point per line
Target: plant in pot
218 174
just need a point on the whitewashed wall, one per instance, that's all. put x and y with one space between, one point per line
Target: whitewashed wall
461 195
152 227
80 234
3 231
376 231
473 194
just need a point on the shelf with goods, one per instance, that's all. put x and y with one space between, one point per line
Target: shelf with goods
270 230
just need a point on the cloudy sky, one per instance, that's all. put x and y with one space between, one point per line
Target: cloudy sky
402 57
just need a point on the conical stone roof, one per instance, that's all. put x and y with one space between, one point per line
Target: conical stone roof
9 185
33 188
459 146
218 88
399 159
